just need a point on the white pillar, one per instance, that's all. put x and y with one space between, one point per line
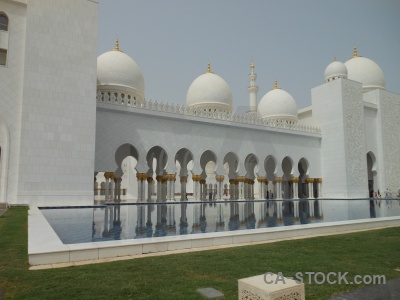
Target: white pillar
150 184
141 178
310 188
295 182
183 180
159 188
278 187
220 181
261 181
170 187
241 187
106 192
319 187
232 189
196 187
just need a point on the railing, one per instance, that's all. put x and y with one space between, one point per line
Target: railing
124 100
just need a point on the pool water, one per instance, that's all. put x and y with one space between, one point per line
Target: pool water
152 220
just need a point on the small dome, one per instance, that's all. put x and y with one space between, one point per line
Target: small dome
365 71
278 104
117 70
211 92
334 70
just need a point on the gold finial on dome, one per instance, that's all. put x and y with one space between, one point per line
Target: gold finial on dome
355 54
334 58
209 67
117 45
276 86
252 64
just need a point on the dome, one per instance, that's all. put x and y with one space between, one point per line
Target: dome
117 71
211 92
334 70
365 71
278 104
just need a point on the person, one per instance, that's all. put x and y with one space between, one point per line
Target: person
267 194
379 194
272 194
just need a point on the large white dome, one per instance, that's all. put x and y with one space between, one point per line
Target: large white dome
365 71
116 70
278 104
210 92
334 70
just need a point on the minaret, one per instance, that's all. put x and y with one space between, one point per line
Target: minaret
253 89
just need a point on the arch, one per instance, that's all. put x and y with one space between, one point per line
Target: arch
206 157
372 174
270 164
157 159
126 158
250 163
303 167
287 168
184 156
4 21
232 161
124 151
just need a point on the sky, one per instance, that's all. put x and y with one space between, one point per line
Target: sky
291 41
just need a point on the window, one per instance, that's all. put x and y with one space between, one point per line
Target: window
3 21
3 57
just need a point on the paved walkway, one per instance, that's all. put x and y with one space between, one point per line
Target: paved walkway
388 291
2 211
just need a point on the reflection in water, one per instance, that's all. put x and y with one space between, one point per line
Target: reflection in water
115 222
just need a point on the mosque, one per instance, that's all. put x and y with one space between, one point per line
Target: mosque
68 119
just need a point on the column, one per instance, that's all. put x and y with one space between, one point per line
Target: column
150 185
310 182
245 189
141 177
183 188
220 180
232 189
241 180
170 187
106 186
295 182
251 185
278 188
159 188
236 189
196 187
118 189
164 189
203 191
261 181
319 187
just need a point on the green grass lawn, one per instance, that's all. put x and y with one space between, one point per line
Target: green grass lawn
179 276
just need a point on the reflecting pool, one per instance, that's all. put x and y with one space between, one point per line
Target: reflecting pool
136 221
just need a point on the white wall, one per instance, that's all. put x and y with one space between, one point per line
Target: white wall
11 89
58 112
338 107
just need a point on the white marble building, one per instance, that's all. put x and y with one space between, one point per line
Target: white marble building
58 127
